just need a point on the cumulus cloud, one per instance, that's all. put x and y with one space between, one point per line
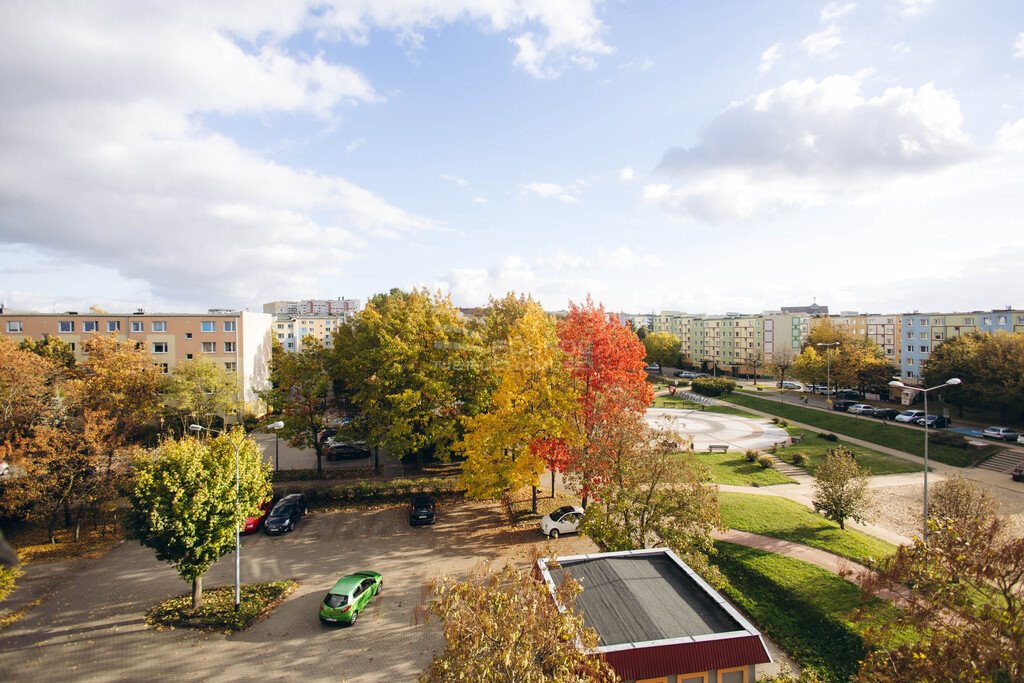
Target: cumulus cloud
769 58
562 261
473 286
550 190
627 174
626 257
836 10
914 8
454 179
808 141
821 43
1018 47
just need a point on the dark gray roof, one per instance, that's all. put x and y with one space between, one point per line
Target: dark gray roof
643 598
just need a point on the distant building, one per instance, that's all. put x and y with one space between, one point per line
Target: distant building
814 310
922 332
343 308
290 330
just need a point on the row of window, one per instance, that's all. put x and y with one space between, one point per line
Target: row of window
166 369
68 326
921 349
985 320
208 347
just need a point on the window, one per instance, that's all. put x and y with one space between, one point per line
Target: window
229 326
737 675
164 369
137 326
188 356
280 335
188 335
662 679
702 677
923 322
113 326
910 348
229 347
910 361
209 347
90 326
280 326
924 349
1001 320
938 335
968 321
231 367
14 326
208 326
986 320
159 325
923 335
910 335
66 326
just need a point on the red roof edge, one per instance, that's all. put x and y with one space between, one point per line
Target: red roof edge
681 658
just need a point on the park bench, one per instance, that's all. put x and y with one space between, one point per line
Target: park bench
720 447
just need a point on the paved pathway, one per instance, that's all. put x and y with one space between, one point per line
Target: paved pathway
738 433
848 569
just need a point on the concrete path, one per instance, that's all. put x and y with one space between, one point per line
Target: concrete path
847 569
738 433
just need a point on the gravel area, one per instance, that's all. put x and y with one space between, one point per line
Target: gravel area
899 508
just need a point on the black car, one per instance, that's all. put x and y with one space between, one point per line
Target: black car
421 510
340 451
934 421
843 404
885 413
849 393
285 514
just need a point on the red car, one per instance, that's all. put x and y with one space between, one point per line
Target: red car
253 524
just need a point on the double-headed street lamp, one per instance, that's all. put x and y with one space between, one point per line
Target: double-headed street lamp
953 381
238 532
828 369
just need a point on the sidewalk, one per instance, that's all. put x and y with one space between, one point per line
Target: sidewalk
847 569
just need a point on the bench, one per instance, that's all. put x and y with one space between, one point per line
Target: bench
720 447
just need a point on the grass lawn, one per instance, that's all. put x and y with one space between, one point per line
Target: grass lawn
735 469
803 608
218 610
683 404
791 521
815 448
874 431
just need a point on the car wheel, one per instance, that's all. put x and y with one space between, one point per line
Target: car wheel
355 615
380 587
553 534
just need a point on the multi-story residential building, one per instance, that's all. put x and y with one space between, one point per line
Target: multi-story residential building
671 322
238 341
885 331
291 330
922 332
638 320
784 331
330 308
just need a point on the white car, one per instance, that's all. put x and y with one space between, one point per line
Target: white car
909 415
5 469
1020 439
796 386
564 520
861 409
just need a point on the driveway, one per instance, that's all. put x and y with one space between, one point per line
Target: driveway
92 628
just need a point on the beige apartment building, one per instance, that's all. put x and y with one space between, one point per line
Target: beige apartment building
292 330
238 341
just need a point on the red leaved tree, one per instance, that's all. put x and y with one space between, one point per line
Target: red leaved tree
606 363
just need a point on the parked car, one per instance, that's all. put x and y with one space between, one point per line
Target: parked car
1003 433
1020 439
5 469
860 409
653 367
340 451
686 374
421 510
909 415
849 393
285 514
326 435
843 405
934 421
701 374
253 524
796 386
564 520
349 597
884 413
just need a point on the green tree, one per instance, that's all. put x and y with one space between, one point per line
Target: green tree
183 505
200 387
662 348
990 367
300 386
840 487
53 348
781 361
505 627
854 362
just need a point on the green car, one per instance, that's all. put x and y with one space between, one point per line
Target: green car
349 596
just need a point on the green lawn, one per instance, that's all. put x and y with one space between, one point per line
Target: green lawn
733 468
803 608
791 521
874 431
815 448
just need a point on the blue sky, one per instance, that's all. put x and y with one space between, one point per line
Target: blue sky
706 157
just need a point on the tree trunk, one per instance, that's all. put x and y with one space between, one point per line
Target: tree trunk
842 523
78 520
534 499
376 460
552 484
197 592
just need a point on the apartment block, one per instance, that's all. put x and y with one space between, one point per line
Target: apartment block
922 332
292 330
238 341
330 308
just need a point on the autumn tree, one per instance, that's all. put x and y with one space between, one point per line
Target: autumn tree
54 348
662 348
300 385
200 387
532 401
28 390
119 379
990 367
851 363
780 361
962 618
840 487
183 502
505 627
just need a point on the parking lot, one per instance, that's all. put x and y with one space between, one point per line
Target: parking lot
92 628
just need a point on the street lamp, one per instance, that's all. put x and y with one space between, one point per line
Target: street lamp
953 381
828 369
238 532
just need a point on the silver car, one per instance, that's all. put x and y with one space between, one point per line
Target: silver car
1002 433
861 409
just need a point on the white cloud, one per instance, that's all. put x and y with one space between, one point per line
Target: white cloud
643 64
822 43
836 10
769 58
901 48
627 174
810 142
562 261
355 144
1018 47
480 200
473 286
914 8
551 190
626 257
454 179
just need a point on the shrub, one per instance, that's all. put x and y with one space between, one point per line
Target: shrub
373 491
782 423
712 386
773 449
952 439
333 474
8 575
766 462
799 459
828 436
775 420
752 454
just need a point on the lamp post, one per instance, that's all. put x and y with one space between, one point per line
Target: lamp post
953 381
828 370
238 532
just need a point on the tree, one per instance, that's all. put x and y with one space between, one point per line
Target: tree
965 604
27 390
651 496
200 387
505 627
532 401
182 501
840 487
300 383
53 348
119 379
989 365
780 361
853 362
662 348
756 361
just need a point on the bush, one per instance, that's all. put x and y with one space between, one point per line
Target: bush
951 439
217 612
332 474
766 462
752 454
828 436
799 459
773 449
712 386
8 575
783 423
373 491
775 420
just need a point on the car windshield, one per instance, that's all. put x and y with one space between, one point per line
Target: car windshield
561 511
335 600
282 510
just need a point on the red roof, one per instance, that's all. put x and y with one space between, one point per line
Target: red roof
655 660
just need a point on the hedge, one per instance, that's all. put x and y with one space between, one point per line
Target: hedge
332 474
373 491
712 386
